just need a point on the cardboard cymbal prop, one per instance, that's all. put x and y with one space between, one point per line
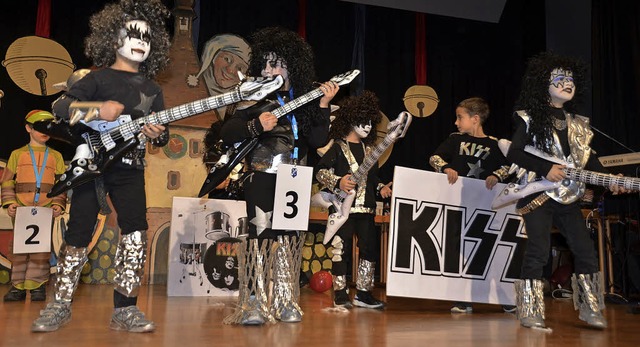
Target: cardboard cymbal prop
36 63
420 100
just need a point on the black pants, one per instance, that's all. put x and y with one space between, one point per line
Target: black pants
363 225
126 190
571 224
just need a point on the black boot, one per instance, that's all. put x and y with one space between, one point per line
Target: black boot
39 294
15 294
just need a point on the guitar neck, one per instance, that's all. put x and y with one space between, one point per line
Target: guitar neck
297 102
179 112
604 180
371 159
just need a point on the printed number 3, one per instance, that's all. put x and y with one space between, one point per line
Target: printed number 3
292 204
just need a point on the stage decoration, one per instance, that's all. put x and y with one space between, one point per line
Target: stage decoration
421 100
35 64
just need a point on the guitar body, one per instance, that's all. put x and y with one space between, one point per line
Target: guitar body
222 169
337 219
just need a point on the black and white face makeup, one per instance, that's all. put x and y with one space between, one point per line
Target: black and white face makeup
561 86
135 41
274 65
362 130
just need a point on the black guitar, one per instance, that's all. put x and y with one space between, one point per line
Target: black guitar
97 150
235 153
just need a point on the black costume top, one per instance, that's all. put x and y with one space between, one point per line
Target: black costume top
279 141
139 95
471 156
335 161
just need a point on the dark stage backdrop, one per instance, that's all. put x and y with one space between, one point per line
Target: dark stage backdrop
464 58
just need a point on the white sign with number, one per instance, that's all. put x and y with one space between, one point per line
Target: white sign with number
293 194
32 230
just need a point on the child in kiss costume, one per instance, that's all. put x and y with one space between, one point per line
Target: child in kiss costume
546 122
471 153
128 41
30 173
288 140
353 131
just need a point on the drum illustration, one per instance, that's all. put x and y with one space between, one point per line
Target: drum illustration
217 225
192 252
242 229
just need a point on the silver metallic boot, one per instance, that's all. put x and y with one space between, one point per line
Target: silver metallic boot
253 274
129 265
286 257
530 303
364 285
588 298
68 270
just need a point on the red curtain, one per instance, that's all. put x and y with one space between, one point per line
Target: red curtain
302 18
43 19
421 50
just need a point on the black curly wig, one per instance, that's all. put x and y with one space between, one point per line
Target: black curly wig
298 57
102 42
535 99
356 110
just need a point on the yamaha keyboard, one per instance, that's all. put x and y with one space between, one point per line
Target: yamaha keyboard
620 159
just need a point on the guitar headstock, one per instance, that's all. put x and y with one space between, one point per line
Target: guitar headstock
398 127
345 78
256 88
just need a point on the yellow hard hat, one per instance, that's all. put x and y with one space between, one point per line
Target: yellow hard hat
37 116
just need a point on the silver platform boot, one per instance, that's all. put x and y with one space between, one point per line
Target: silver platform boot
588 298
129 265
365 284
68 270
253 274
530 303
286 257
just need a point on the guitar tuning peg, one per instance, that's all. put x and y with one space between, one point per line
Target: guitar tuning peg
521 173
241 76
531 177
513 168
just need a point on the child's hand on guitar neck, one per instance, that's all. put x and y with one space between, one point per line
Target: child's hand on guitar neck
346 185
556 173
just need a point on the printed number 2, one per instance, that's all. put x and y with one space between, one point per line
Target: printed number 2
30 240
292 204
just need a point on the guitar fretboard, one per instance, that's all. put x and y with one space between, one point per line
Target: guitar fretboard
604 180
176 113
297 102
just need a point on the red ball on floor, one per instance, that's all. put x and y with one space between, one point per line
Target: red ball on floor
321 281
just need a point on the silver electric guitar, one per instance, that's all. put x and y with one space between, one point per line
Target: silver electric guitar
342 201
566 191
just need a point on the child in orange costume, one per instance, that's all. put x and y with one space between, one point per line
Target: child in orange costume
30 173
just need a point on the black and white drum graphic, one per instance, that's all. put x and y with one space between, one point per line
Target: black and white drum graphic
218 226
192 252
221 263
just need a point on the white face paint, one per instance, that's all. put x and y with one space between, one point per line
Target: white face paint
273 65
561 86
362 130
135 41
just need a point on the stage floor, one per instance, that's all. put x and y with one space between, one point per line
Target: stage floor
197 321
